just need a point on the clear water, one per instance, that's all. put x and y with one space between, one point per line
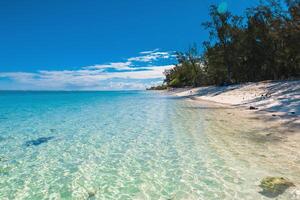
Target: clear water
135 145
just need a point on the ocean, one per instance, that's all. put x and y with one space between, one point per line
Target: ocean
134 145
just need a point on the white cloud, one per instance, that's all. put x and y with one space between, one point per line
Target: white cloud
149 56
125 75
118 65
149 52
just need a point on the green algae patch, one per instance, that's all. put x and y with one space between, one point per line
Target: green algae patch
274 186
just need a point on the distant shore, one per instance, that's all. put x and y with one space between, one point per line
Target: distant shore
277 101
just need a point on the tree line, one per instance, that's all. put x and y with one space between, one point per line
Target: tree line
262 44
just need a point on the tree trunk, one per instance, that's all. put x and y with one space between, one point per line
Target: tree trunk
229 79
227 64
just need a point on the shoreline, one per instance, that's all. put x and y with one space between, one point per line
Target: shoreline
283 123
276 102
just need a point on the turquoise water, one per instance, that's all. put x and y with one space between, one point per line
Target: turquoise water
134 145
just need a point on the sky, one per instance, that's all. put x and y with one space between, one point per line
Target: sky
98 44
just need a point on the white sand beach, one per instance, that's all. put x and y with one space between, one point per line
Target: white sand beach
279 100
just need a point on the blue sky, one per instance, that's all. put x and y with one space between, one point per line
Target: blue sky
97 45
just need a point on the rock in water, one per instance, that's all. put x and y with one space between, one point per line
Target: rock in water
252 108
91 195
38 141
274 186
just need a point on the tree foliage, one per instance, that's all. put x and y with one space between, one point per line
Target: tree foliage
263 44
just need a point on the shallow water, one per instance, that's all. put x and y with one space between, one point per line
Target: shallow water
135 145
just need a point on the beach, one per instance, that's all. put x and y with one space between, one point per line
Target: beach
276 101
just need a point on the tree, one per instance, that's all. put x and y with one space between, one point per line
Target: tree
220 31
188 71
262 44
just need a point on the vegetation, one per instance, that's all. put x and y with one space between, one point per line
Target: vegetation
273 186
159 87
263 44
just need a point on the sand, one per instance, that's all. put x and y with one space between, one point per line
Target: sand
273 100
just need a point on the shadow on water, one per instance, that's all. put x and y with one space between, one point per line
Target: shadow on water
38 141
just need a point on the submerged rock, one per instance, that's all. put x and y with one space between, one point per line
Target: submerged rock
91 194
38 141
274 186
